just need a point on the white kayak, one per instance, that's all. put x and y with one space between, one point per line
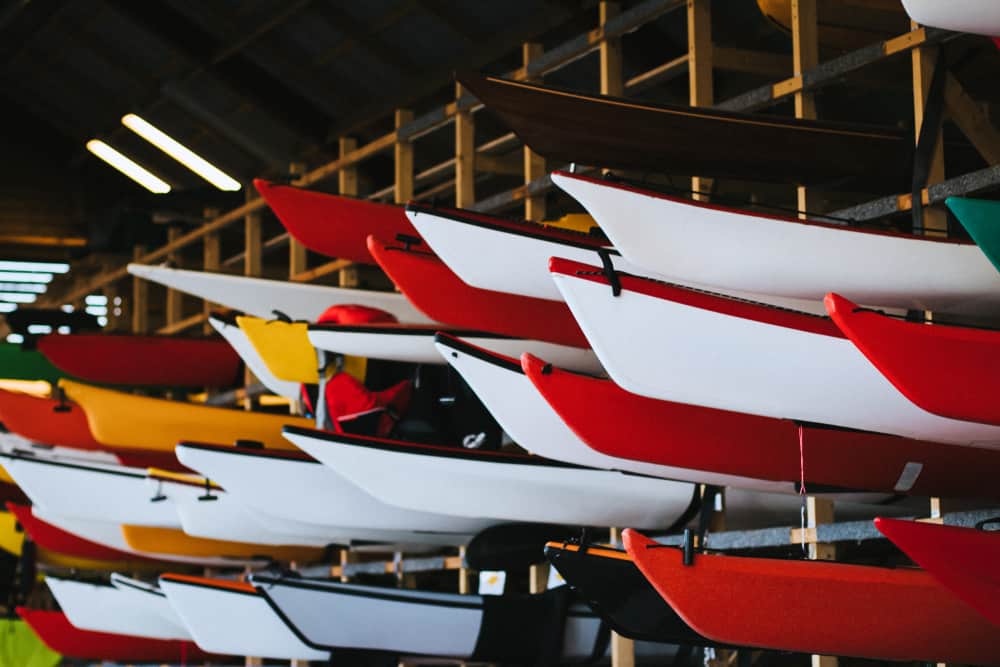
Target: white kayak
261 297
120 608
513 256
248 353
108 534
681 345
506 628
500 485
211 513
981 17
415 344
530 421
692 242
300 490
101 492
231 618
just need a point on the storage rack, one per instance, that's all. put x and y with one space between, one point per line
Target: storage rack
796 78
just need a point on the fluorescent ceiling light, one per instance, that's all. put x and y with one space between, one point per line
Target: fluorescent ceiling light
181 153
67 308
39 329
96 310
18 297
96 300
15 338
44 267
126 166
7 307
34 288
23 277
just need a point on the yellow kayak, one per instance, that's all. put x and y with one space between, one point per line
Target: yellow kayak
39 388
285 348
128 421
176 542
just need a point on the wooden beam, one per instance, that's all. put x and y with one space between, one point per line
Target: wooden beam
923 61
805 56
764 63
321 270
465 155
140 298
610 52
972 119
175 298
347 185
183 324
47 241
699 31
211 261
819 511
534 164
403 161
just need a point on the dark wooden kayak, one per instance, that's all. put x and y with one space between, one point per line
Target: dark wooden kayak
603 131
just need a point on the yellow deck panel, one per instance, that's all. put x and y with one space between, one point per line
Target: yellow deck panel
285 348
177 542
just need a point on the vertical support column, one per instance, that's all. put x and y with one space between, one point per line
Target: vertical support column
820 511
175 299
347 185
611 53
622 648
805 52
534 164
699 24
140 297
211 260
252 266
923 60
465 155
403 160
297 260
538 578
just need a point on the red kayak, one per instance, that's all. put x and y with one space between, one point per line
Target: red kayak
817 607
56 632
331 224
162 361
733 443
64 424
50 537
46 420
435 289
951 371
966 561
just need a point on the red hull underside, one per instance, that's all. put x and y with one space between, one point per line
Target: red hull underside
38 420
143 360
435 289
56 539
333 225
618 423
817 607
966 561
55 630
948 370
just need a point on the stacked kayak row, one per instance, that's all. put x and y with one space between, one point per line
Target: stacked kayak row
632 364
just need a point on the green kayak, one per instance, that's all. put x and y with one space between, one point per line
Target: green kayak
981 218
20 364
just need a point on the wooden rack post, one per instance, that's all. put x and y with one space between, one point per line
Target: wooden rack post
175 298
622 648
805 55
403 161
347 185
140 297
465 155
923 59
252 266
534 164
211 260
612 82
699 30
820 511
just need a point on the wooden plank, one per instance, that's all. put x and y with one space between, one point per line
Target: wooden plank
140 298
211 261
610 52
923 60
972 120
403 161
805 56
175 299
321 270
465 156
701 91
819 511
534 164
347 178
252 257
180 325
40 240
